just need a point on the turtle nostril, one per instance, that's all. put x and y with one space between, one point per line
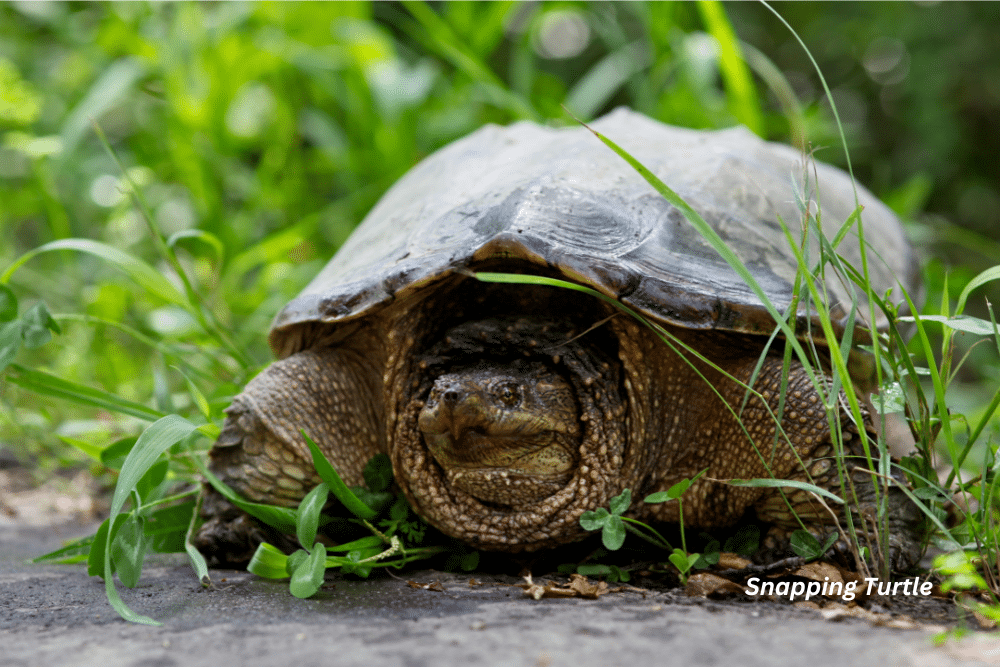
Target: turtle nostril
450 396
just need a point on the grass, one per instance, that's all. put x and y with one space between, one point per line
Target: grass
241 144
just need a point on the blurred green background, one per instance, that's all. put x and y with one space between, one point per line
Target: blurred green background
260 134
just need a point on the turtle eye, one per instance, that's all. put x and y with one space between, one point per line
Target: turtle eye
509 394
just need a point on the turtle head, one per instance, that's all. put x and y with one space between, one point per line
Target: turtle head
503 433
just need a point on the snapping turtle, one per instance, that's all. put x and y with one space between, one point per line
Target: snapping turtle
508 409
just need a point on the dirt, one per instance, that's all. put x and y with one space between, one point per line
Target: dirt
56 615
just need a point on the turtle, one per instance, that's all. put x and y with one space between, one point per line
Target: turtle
510 409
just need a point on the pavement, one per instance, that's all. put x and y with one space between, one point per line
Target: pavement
55 615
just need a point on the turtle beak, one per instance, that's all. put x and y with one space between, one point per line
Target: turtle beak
452 409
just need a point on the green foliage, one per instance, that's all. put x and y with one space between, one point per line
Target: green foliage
306 567
805 544
609 523
613 526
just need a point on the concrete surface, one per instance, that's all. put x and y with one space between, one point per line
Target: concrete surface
54 615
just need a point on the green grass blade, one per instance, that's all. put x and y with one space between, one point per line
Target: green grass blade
336 484
73 552
268 562
50 385
142 273
207 238
443 39
781 483
360 543
741 92
595 89
196 396
281 518
128 550
93 451
983 278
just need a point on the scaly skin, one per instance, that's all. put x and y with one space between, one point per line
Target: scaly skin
503 429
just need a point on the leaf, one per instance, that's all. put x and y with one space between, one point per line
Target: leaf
114 455
986 276
307 516
38 326
930 493
295 560
890 399
152 479
593 569
8 304
707 559
779 483
594 519
196 396
613 535
744 542
469 561
619 504
360 543
805 544
376 501
965 323
268 562
337 486
206 238
155 440
741 93
197 560
74 552
93 451
682 561
10 342
352 565
129 549
50 385
142 273
378 473
166 527
281 518
678 489
95 561
706 584
675 491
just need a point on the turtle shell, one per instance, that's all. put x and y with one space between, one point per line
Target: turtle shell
560 199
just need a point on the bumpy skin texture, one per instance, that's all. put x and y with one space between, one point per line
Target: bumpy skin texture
505 423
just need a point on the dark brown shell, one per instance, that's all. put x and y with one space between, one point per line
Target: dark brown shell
560 198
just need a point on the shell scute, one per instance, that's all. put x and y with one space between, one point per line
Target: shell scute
560 200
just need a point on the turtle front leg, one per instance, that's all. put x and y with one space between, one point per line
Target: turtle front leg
335 396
